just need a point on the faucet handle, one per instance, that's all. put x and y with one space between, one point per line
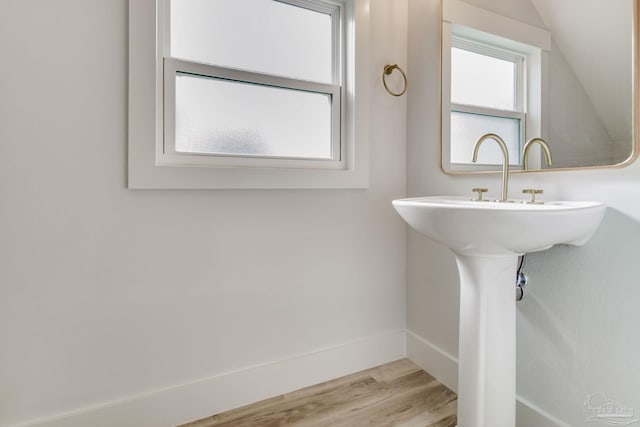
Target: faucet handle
532 192
480 191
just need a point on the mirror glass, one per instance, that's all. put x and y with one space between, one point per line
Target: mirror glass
560 70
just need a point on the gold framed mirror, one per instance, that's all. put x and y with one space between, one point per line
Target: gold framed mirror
565 71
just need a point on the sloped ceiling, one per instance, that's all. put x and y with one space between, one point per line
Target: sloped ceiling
596 39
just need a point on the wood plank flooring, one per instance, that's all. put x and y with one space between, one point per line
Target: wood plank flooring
396 394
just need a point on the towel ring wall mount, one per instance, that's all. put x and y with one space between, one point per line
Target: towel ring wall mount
388 69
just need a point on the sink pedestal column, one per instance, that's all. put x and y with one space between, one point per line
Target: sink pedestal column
487 350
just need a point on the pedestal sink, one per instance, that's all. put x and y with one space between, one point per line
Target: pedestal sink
487 238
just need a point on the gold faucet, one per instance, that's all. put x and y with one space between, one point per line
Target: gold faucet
527 146
505 165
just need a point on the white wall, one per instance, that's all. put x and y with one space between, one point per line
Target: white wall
577 329
576 134
108 293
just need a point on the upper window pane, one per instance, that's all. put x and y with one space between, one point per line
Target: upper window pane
482 80
264 36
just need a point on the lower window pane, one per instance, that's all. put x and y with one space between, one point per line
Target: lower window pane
218 116
467 128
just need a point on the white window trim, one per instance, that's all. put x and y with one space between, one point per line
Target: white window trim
146 117
464 14
533 43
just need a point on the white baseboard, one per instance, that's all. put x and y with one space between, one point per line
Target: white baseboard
434 360
444 367
530 415
188 402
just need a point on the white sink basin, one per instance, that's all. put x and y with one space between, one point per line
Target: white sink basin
486 238
492 228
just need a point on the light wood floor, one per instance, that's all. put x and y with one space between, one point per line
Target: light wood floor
396 394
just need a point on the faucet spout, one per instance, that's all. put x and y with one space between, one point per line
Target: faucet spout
505 165
527 146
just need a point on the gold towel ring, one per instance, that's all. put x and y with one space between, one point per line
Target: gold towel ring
388 69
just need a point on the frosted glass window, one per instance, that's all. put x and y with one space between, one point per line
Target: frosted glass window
482 80
467 128
264 36
218 116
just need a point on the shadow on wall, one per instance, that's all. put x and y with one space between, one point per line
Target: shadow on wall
577 322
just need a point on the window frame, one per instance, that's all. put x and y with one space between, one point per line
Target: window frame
520 84
149 167
165 149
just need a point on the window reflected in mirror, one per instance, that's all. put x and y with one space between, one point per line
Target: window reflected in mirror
559 70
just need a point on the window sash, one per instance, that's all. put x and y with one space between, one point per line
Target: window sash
333 8
167 154
498 53
490 112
